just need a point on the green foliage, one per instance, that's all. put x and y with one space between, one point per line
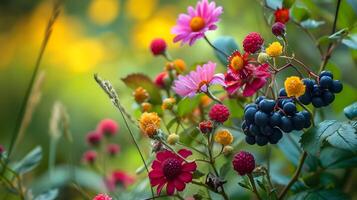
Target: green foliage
334 158
197 174
351 111
49 195
338 134
310 23
288 3
29 162
226 44
187 105
134 81
351 41
319 195
300 13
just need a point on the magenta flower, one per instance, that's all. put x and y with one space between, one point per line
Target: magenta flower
198 81
250 78
171 170
193 25
102 197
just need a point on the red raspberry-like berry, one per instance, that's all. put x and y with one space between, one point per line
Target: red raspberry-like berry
94 138
252 42
158 46
219 113
205 127
282 15
278 29
244 163
108 127
160 79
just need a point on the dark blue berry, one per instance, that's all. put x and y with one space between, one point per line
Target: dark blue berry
275 119
249 114
267 105
250 140
257 101
328 97
336 86
305 98
307 123
308 83
317 102
251 105
276 136
316 91
289 108
286 124
285 101
298 121
254 130
261 140
261 119
326 73
282 92
266 130
326 82
306 114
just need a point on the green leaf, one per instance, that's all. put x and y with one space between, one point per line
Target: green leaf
351 41
288 3
319 195
226 44
172 122
339 34
136 80
310 24
49 195
351 111
300 13
225 169
345 98
29 162
334 158
187 105
338 134
197 174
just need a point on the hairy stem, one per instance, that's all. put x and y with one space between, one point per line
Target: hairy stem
252 182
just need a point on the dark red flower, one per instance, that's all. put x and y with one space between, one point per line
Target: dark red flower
171 170
244 163
94 138
253 42
160 79
108 127
158 46
236 61
205 126
219 113
278 29
113 149
90 156
102 197
282 15
122 178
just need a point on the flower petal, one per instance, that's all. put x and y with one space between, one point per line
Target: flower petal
185 177
189 166
170 188
185 153
179 185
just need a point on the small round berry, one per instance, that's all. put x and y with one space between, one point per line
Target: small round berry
227 150
286 124
308 83
278 29
285 101
251 105
249 114
336 86
261 119
307 117
282 15
275 119
266 130
206 127
327 97
244 163
326 82
254 129
257 101
250 139
289 108
298 121
316 91
317 102
219 113
158 46
253 42
282 92
173 138
261 140
305 98
326 73
267 105
276 136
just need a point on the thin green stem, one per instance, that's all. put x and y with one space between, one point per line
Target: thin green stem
252 182
214 98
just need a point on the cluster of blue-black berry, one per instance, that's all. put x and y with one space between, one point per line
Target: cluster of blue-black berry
322 93
266 119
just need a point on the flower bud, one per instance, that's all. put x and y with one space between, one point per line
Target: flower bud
146 107
168 103
227 150
140 95
173 138
263 57
158 46
278 29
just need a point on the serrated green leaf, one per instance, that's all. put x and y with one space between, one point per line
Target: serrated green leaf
48 195
29 162
226 44
351 111
136 80
334 158
288 3
300 13
310 24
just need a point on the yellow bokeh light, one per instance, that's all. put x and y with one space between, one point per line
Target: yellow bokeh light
140 9
103 12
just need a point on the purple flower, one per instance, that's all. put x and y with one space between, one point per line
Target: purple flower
193 25
198 81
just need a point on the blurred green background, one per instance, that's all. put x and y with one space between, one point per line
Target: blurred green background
111 37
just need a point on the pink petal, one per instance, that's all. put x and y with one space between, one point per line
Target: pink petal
179 185
156 174
156 165
157 181
185 153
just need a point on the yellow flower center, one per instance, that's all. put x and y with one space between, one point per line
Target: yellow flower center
274 49
294 86
197 23
237 63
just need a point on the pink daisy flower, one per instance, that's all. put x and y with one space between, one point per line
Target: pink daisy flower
250 78
193 25
171 170
198 81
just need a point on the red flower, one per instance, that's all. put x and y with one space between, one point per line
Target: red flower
102 197
250 79
122 178
253 42
90 156
107 127
282 15
205 126
160 79
219 113
113 149
171 170
158 46
237 61
93 138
